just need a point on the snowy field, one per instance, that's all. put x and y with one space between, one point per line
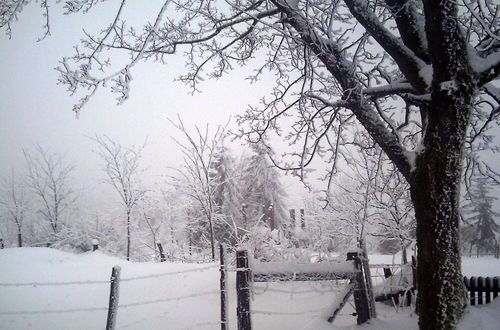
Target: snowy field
181 296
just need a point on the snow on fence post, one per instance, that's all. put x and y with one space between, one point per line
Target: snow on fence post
95 244
360 294
223 291
113 298
162 255
243 290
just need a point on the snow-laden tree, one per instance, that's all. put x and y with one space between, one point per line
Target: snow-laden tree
421 68
393 213
195 180
227 197
121 168
14 203
481 227
49 179
262 192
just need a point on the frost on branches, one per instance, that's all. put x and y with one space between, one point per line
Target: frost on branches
416 75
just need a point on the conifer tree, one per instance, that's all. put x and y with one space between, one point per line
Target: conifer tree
481 229
262 192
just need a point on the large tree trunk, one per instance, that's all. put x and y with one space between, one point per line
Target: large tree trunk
435 190
435 183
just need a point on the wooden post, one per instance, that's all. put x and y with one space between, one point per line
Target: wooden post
472 290
162 255
360 296
95 244
368 279
292 218
342 303
487 289
223 291
243 291
480 290
302 219
113 298
467 285
2 245
495 287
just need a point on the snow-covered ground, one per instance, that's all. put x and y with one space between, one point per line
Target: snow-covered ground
181 296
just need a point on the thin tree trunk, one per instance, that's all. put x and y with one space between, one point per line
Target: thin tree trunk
212 240
19 239
128 235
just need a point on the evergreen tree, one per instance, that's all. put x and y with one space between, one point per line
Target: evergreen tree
262 192
481 229
226 196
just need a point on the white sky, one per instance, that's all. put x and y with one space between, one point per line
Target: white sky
35 110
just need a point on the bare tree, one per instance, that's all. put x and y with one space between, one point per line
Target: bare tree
401 68
49 179
15 203
194 178
121 165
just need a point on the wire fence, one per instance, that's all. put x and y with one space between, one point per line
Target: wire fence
142 277
107 282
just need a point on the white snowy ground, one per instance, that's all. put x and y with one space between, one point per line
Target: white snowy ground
292 305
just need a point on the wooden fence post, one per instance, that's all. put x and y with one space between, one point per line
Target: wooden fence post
368 280
113 298
1 243
243 291
495 287
95 244
472 290
162 255
480 290
487 289
292 218
360 296
223 291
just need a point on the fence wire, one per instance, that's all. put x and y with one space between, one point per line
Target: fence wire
35 284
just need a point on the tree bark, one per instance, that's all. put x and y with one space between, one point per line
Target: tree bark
19 239
435 191
212 239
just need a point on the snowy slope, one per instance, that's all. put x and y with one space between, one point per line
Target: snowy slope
151 302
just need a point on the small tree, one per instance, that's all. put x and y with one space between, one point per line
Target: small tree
227 196
121 165
14 202
49 179
194 178
481 227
